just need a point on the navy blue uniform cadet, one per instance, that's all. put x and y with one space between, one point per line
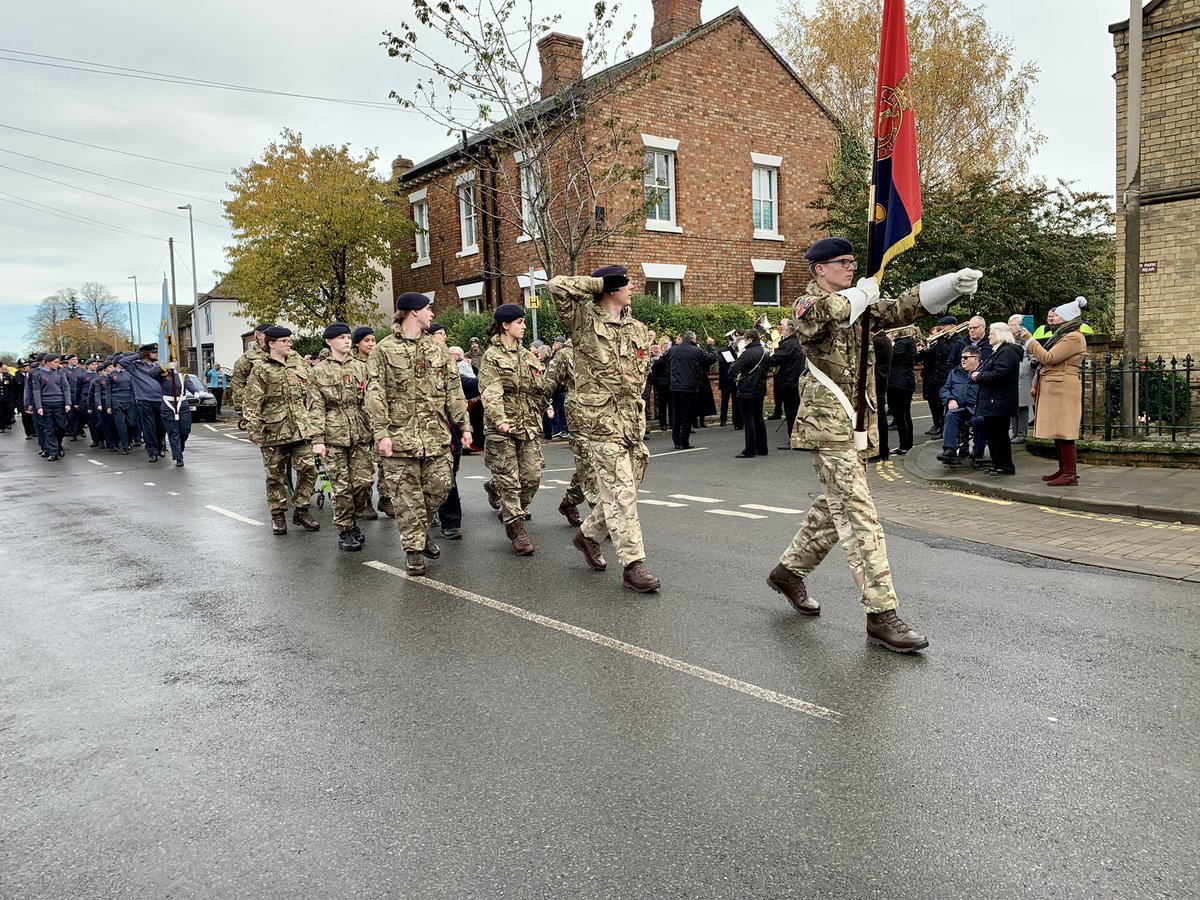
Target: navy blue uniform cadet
174 411
101 408
52 405
39 360
119 402
145 371
73 373
21 379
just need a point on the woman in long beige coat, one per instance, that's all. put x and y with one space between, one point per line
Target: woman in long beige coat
1057 390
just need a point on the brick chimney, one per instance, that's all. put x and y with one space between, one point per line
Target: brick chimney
561 57
672 18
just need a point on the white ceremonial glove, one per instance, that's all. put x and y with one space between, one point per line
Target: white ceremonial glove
938 293
864 294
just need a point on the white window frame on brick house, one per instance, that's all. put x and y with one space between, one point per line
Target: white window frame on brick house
420 215
764 195
764 268
468 214
665 281
471 296
207 318
660 150
539 283
529 176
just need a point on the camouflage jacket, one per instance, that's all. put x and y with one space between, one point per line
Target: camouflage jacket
512 389
612 362
336 394
560 376
412 386
822 423
274 401
243 367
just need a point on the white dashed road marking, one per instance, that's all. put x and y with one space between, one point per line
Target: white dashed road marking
695 499
677 452
602 640
734 512
95 462
774 509
149 484
210 428
662 503
232 515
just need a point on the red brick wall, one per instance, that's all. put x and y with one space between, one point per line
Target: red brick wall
722 95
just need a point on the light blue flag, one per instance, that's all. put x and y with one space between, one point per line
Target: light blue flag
168 349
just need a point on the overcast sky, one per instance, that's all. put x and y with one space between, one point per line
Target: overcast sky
330 50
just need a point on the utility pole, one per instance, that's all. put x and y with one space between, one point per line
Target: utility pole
137 307
174 303
131 343
192 236
1131 310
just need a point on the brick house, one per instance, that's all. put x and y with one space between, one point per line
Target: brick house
1170 252
736 150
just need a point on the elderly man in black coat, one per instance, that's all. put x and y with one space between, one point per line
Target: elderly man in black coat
689 371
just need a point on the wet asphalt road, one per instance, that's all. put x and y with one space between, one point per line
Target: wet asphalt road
195 708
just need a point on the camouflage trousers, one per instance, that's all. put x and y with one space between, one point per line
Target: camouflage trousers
350 471
362 502
275 463
583 482
516 466
845 512
619 469
418 485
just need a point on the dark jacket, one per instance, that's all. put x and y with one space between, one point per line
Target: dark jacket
997 380
883 359
789 358
724 382
689 367
960 387
904 360
660 371
752 368
954 361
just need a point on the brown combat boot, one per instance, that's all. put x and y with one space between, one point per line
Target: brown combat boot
590 550
278 522
493 495
888 630
521 544
385 507
304 519
414 562
367 511
637 578
571 511
784 581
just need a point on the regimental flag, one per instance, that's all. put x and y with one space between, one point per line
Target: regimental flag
168 348
896 213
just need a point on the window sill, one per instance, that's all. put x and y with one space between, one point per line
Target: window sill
768 236
524 239
774 305
467 251
421 263
665 227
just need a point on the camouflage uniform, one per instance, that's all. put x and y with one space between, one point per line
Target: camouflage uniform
513 392
845 510
340 423
241 371
559 375
274 408
362 502
412 387
611 364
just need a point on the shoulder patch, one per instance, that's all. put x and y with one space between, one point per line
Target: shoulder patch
803 305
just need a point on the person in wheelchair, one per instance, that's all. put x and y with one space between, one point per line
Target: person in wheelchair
959 395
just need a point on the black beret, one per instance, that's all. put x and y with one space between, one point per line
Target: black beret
508 312
361 332
614 277
334 329
411 300
947 320
148 348
827 248
263 326
274 332
435 327
66 356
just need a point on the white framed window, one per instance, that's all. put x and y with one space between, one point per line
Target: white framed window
764 196
529 170
207 319
767 274
471 296
667 291
539 286
659 183
420 216
468 214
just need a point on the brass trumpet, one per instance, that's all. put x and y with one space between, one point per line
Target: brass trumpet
771 333
961 328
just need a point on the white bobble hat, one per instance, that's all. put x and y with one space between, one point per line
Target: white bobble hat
1072 310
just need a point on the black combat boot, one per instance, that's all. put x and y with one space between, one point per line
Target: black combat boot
888 630
784 581
358 535
348 542
304 519
432 550
278 522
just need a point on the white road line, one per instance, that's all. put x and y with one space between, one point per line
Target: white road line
210 428
774 509
232 437
733 512
695 499
172 493
662 503
149 484
95 462
476 477
676 452
667 662
232 515
559 481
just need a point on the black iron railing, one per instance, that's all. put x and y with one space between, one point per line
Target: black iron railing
1140 400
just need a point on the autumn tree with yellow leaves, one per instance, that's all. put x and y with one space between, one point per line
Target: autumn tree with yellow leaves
313 233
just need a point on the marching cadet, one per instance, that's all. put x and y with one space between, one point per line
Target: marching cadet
844 512
174 411
99 407
413 387
612 362
27 409
362 344
52 397
83 402
560 375
241 369
341 434
277 420
513 392
20 381
146 374
120 404
8 397
77 418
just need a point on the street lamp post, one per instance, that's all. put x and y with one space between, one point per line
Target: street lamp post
137 307
195 286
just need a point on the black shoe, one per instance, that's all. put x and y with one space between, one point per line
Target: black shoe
124 452
949 455
978 462
348 542
995 471
934 430
744 455
432 550
784 447
153 459
901 452
179 463
452 534
358 535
